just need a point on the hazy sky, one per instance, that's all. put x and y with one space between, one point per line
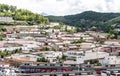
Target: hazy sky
65 7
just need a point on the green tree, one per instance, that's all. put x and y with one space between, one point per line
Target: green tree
46 48
78 41
63 57
41 60
78 29
112 34
1 38
57 27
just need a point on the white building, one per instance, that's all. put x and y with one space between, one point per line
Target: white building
73 53
54 23
111 43
52 56
81 57
30 46
6 19
74 57
95 55
24 57
12 48
111 60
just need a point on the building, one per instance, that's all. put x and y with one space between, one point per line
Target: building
74 57
111 60
6 19
52 56
81 57
25 57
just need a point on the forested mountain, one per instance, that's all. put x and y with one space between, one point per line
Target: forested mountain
22 15
88 19
114 20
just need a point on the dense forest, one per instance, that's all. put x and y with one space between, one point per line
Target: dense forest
22 15
88 19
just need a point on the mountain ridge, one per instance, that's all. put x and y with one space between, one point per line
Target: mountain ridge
86 19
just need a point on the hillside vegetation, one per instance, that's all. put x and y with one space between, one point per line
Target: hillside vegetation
88 19
22 15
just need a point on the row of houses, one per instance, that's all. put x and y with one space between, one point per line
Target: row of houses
72 57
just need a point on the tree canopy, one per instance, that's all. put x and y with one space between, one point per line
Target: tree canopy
88 19
22 15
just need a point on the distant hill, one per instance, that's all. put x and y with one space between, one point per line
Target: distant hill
44 14
86 19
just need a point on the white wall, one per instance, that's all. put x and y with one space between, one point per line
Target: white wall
111 60
95 55
111 43
80 60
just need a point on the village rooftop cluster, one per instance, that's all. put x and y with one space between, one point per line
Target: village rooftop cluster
56 43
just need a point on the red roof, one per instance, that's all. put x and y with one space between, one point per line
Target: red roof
8 32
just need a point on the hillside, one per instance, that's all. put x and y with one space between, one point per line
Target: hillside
22 15
114 20
86 19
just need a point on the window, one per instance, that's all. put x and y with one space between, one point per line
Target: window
26 64
61 64
52 64
45 64
38 64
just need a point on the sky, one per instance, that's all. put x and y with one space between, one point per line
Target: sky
65 7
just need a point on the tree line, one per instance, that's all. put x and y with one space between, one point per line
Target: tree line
22 15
